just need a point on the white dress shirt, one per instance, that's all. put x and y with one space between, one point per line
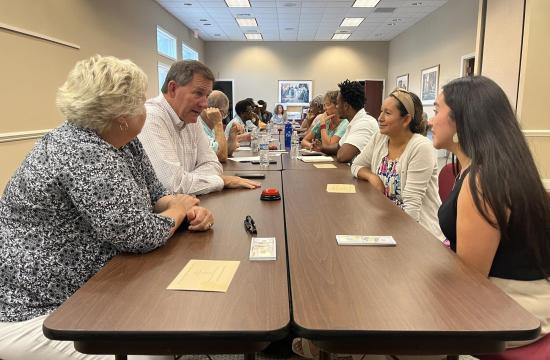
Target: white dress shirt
360 129
180 153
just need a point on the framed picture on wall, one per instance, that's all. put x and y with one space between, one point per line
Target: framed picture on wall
402 82
429 85
295 92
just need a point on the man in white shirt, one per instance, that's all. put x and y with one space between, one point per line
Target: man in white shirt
244 117
211 121
175 143
350 105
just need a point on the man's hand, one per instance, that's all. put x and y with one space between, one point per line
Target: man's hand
234 182
213 116
200 219
235 130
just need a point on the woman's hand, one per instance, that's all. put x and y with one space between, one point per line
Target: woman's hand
200 219
366 174
183 202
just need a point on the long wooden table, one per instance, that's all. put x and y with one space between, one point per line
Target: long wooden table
414 298
231 165
126 309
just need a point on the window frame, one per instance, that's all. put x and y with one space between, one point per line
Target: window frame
183 47
165 66
172 37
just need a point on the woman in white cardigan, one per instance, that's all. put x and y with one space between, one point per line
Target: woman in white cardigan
400 162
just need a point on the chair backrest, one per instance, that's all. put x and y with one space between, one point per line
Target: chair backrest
539 350
446 181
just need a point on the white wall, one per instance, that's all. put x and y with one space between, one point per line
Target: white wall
256 67
443 37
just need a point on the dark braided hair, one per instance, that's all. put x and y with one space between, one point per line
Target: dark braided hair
353 93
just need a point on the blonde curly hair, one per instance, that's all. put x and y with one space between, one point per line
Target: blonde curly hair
100 89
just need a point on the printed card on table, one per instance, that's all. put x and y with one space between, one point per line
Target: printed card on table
205 275
341 188
263 249
365 240
325 166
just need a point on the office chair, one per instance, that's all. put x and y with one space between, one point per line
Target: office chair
446 180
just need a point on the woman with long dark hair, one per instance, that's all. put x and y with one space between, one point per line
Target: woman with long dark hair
499 221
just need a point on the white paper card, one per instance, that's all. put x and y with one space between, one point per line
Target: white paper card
243 148
365 240
245 158
310 159
263 249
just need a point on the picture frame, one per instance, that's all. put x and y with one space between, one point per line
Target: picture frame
402 81
295 92
429 85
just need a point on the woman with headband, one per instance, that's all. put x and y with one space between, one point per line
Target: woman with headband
400 162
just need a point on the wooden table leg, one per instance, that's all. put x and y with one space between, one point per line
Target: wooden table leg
249 356
452 357
121 357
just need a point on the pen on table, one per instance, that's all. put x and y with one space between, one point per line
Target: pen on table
250 225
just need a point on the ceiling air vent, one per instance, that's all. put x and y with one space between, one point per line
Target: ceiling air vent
384 10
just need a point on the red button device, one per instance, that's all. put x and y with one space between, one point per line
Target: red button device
270 194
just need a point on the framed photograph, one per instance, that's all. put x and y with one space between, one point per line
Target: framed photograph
429 85
295 92
402 81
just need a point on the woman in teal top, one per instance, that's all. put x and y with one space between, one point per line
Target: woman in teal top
330 128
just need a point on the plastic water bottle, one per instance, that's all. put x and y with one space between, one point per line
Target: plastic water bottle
294 145
269 128
264 150
288 134
254 139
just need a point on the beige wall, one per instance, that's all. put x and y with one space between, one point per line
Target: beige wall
502 44
534 80
32 69
256 67
443 37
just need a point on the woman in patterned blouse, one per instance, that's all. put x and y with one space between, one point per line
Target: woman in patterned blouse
400 162
85 193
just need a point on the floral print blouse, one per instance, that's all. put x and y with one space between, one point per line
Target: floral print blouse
389 174
74 203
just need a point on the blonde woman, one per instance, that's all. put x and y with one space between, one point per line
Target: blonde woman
85 193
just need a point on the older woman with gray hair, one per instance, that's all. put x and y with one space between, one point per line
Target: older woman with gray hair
85 193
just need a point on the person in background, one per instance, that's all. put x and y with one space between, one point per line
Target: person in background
256 114
265 115
85 193
176 143
312 117
497 218
279 115
211 120
400 162
244 119
361 128
330 128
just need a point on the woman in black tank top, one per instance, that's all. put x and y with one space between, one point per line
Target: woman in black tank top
497 218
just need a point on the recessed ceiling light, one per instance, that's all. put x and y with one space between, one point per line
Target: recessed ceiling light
251 36
247 22
237 3
352 21
340 36
365 3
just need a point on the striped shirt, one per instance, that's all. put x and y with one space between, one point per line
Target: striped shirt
180 153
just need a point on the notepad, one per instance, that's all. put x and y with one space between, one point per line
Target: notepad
306 152
263 249
205 275
325 166
310 159
341 188
365 240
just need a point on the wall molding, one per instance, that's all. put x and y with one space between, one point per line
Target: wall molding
33 34
536 133
22 135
